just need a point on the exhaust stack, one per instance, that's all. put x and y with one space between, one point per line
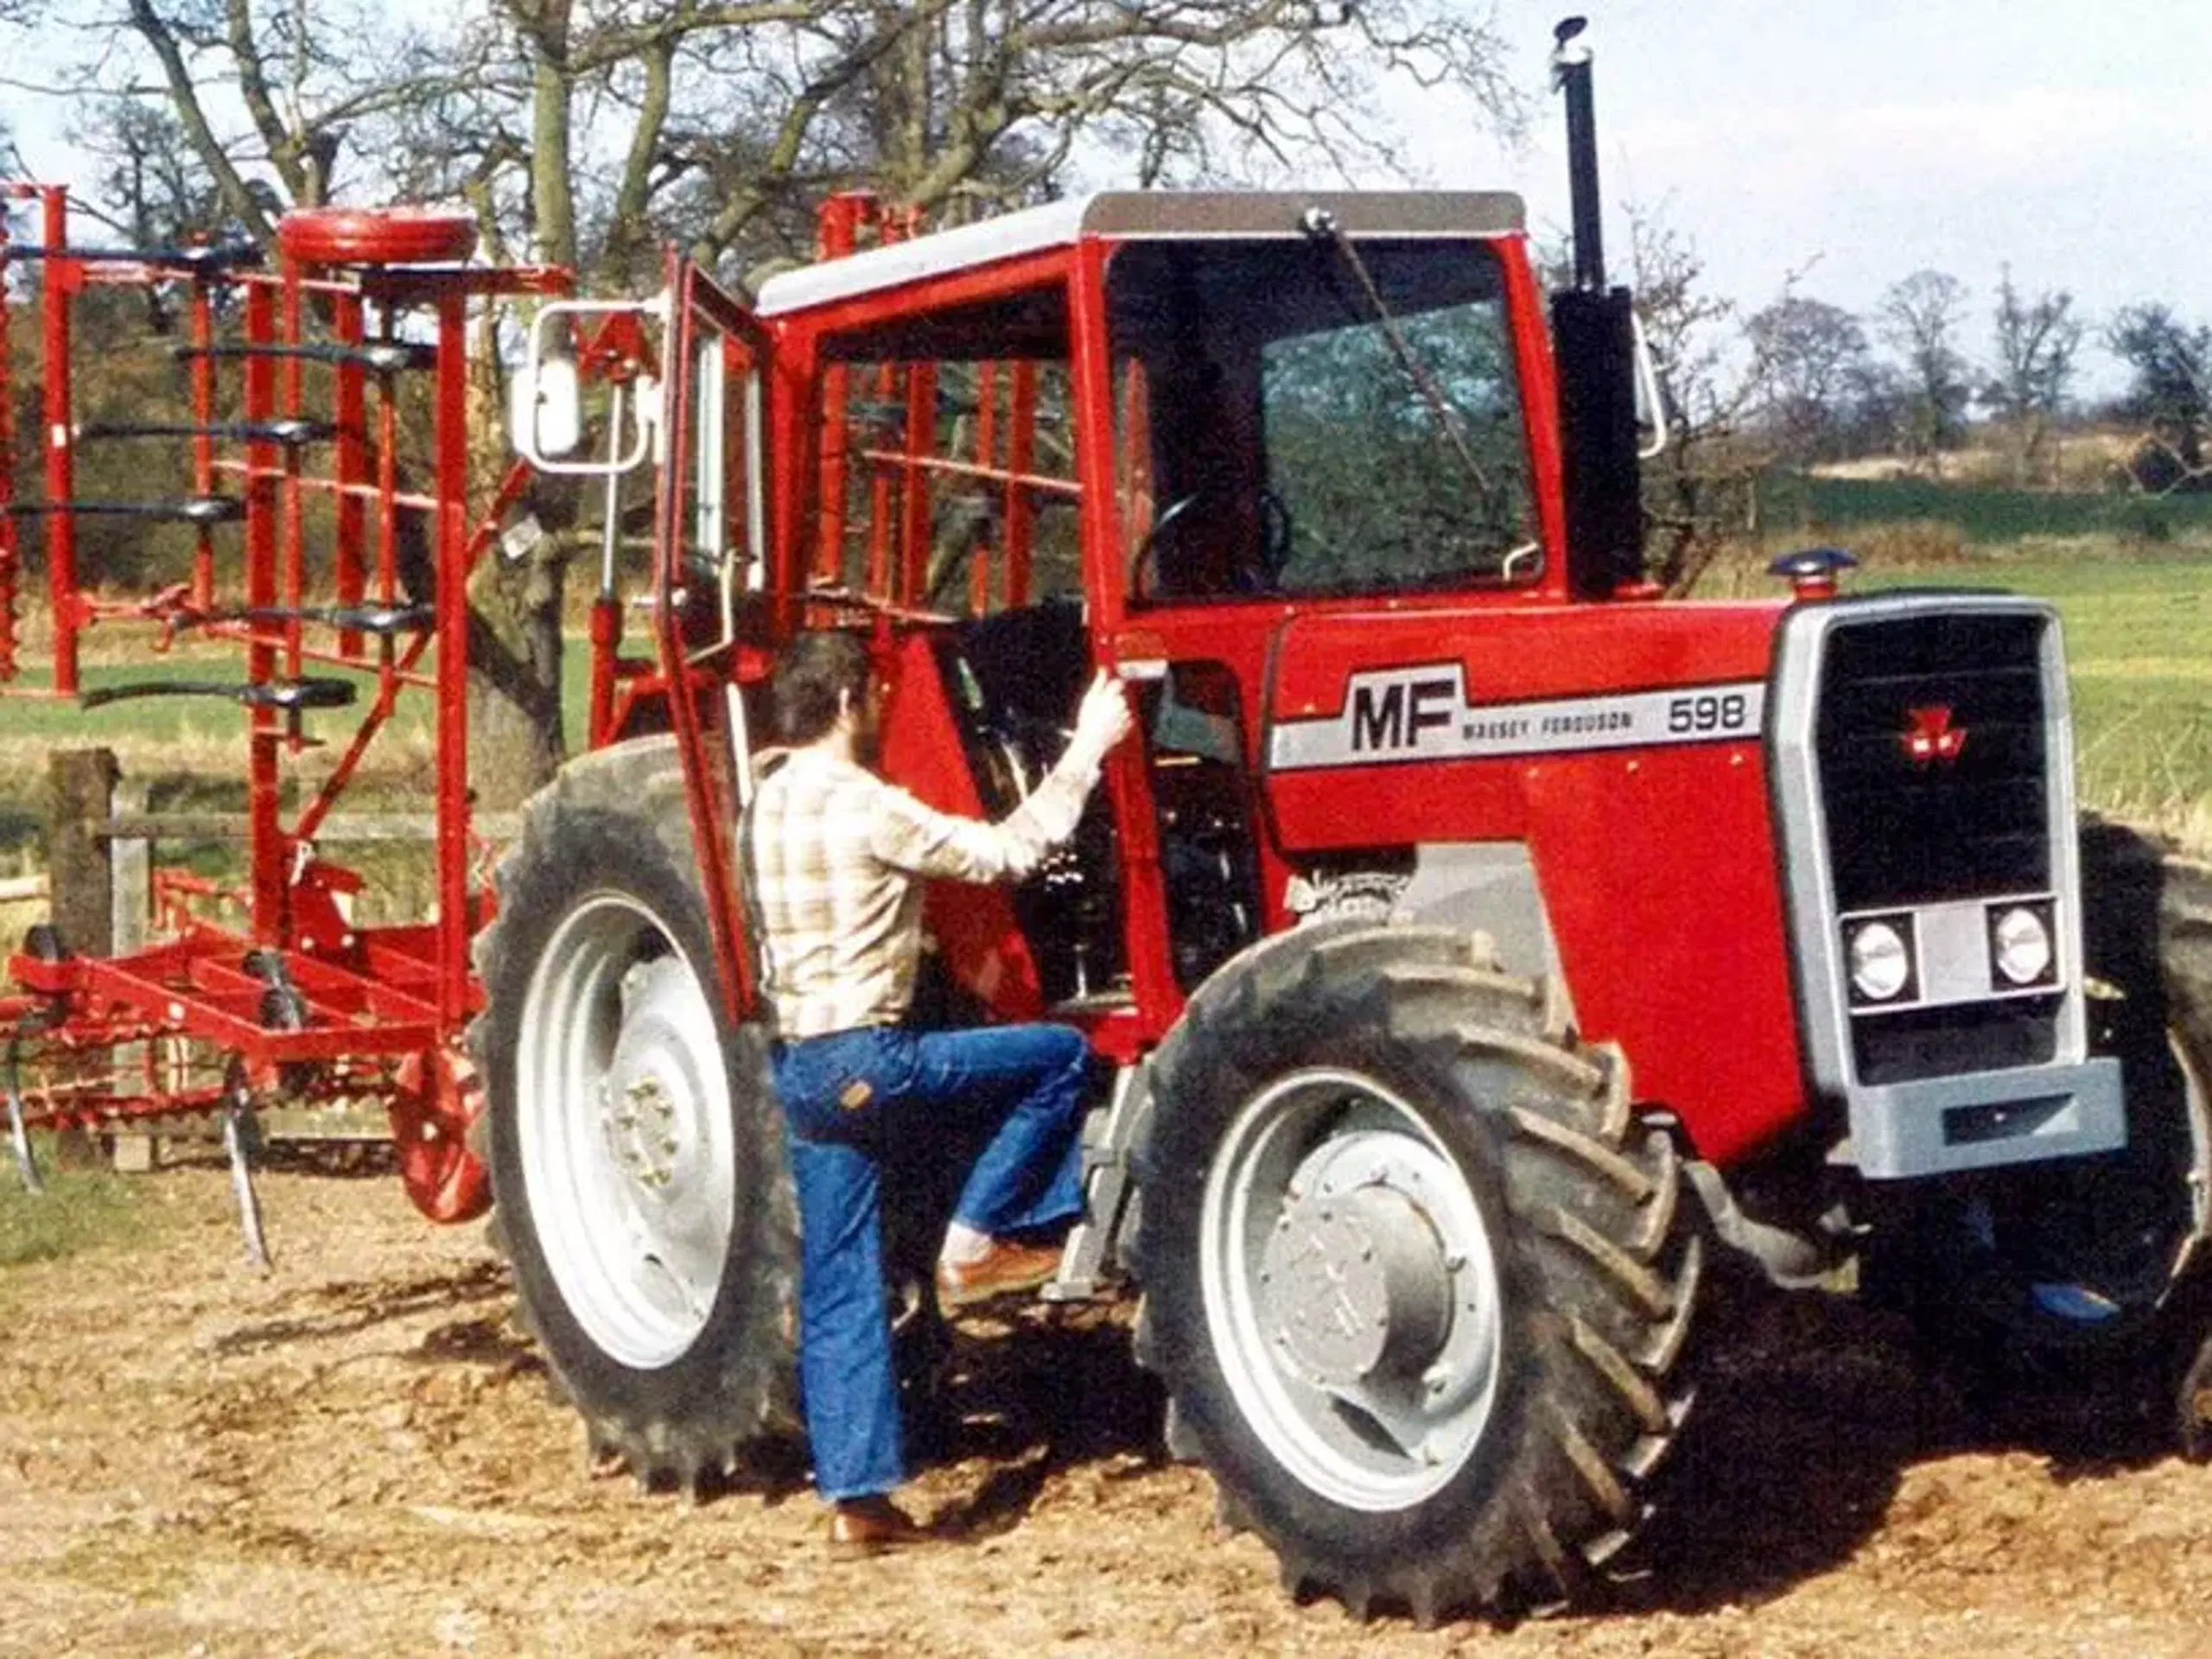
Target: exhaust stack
1593 337
1571 78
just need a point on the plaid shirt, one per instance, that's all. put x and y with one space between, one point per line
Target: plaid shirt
831 857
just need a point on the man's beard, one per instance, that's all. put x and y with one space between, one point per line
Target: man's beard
868 734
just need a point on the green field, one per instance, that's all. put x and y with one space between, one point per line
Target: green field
2139 635
1986 515
2138 646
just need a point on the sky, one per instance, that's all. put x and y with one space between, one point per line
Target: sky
1854 142
1862 141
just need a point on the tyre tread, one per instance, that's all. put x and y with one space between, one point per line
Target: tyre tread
1601 1199
642 781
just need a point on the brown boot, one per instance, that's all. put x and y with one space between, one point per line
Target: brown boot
869 1526
1003 1270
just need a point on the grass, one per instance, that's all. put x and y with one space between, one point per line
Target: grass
2139 647
1988 515
2138 633
81 1210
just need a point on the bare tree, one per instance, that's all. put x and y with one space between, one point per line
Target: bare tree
593 128
2169 394
1920 318
2034 342
270 96
1702 490
1812 357
587 132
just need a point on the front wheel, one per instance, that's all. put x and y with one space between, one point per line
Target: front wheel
635 1148
2086 1271
1416 1280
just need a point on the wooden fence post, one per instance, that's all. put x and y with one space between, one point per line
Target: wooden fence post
130 872
130 865
82 877
82 786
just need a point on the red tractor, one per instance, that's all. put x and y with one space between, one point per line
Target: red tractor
1478 943
1480 946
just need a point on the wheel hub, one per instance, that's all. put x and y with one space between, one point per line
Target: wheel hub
627 1149
650 1099
1353 1295
1355 1285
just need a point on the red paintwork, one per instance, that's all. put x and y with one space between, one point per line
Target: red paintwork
436 1100
1683 967
1657 865
382 1005
61 284
379 236
975 928
693 704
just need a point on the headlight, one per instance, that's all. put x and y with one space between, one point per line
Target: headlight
1881 964
2019 946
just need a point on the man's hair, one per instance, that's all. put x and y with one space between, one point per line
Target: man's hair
817 678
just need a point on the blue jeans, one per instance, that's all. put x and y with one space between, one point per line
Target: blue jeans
853 1099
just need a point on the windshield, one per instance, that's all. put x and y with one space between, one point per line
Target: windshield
1276 439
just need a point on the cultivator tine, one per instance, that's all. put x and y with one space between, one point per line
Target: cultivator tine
291 433
200 511
19 1141
11 1085
378 356
241 1134
213 260
19 1136
287 696
354 618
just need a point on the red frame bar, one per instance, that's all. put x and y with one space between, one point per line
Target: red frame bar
62 278
454 916
12 564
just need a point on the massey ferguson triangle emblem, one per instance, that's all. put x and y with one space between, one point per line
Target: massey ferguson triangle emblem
1931 736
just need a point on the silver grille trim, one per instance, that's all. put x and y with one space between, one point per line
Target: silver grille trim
2067 1107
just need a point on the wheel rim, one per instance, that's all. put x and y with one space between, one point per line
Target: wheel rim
628 1152
1351 1289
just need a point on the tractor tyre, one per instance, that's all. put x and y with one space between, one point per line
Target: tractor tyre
2147 947
2085 1270
635 1145
1416 1279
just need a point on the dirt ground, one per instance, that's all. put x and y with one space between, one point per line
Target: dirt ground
357 1454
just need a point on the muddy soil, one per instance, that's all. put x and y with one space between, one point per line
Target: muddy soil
357 1454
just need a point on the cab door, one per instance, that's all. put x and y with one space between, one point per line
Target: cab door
711 546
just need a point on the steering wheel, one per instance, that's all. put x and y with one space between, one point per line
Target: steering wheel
1275 531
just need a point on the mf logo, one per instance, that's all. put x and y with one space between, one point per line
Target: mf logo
1391 712
1930 737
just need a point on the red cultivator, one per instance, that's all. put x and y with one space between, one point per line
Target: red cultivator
298 378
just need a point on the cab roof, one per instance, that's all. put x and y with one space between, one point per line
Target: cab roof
1141 215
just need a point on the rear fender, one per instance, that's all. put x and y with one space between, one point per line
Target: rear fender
1488 887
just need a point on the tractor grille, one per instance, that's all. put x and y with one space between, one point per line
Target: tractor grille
1944 1042
1905 830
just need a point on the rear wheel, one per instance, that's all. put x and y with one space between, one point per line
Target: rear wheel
635 1146
1416 1280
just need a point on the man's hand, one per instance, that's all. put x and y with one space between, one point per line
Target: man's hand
1103 720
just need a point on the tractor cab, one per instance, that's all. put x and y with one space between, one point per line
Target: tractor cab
1148 431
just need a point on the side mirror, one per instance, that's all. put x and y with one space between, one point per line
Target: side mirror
545 408
1652 435
545 405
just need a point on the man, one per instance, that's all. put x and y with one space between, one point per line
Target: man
832 855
